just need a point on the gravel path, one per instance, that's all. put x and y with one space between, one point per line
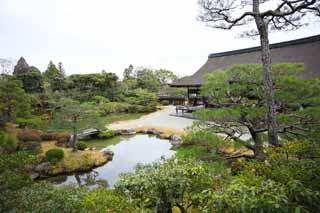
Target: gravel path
160 118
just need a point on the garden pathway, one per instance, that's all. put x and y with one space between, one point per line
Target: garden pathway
160 119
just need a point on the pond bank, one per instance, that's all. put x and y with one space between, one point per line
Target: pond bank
79 161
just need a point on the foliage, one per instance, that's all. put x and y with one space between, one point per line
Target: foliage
102 84
14 169
106 200
44 197
252 193
28 122
8 143
167 183
107 133
48 136
74 116
29 135
13 100
55 77
62 139
113 107
203 138
54 155
81 145
239 104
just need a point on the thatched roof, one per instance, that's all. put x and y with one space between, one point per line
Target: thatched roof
305 50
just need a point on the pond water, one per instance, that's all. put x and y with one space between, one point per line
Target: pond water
128 152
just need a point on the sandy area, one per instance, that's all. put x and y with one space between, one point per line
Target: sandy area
160 119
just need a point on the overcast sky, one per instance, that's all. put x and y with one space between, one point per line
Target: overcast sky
91 35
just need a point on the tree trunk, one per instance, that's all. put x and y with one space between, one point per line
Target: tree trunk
74 139
258 145
267 75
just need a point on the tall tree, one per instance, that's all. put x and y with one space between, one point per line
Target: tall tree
13 100
75 117
239 105
61 69
55 77
30 76
128 73
21 67
165 76
286 14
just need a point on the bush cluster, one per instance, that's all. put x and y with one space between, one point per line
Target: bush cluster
28 122
48 136
81 145
8 143
62 139
54 155
29 135
108 133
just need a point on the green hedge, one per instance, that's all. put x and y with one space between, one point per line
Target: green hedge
54 155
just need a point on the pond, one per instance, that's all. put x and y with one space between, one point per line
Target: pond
128 152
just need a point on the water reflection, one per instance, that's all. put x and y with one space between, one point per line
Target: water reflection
129 152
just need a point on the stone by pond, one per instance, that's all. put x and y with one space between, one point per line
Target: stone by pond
128 152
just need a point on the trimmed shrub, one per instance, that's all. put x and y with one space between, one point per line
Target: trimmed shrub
108 133
29 135
48 136
54 155
81 145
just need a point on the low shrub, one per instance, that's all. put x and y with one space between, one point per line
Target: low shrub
81 145
133 109
48 136
54 155
29 135
62 139
31 146
113 107
165 102
28 122
8 143
108 133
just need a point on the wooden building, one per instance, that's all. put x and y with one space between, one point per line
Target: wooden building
305 50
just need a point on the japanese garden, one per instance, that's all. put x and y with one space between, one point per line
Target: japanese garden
241 134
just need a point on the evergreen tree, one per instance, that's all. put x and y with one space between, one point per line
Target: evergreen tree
13 100
22 67
55 77
239 109
30 76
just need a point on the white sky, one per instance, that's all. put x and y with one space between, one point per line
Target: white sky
91 35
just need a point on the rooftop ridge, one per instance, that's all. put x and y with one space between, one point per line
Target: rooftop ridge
272 46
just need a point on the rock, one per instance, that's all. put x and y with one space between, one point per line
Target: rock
34 175
42 168
93 148
87 149
108 154
128 131
175 138
153 131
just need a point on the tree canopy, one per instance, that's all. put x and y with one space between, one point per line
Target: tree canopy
237 96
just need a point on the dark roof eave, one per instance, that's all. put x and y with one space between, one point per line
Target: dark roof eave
185 85
272 46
